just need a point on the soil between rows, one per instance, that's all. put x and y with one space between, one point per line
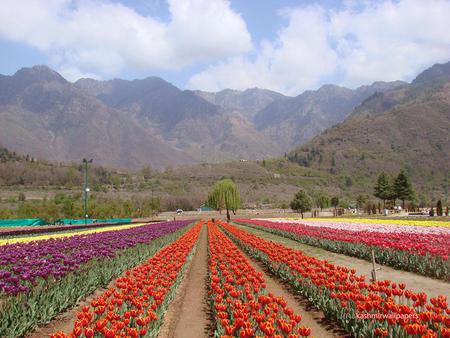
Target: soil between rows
417 283
186 316
313 318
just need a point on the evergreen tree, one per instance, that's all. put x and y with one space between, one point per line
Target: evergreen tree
301 202
402 188
383 188
439 210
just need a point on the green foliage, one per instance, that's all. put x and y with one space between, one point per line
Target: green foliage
70 206
321 200
301 202
146 171
225 195
348 182
439 210
335 201
21 197
6 155
383 188
361 200
402 188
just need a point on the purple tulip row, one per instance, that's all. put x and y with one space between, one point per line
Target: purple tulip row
52 228
22 263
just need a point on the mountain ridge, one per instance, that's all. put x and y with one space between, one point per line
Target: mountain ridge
131 123
404 128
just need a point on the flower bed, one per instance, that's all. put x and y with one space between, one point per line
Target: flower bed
389 221
135 306
365 225
41 278
426 254
53 228
241 306
364 309
67 233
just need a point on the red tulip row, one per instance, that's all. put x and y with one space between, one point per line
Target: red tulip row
240 303
134 307
364 309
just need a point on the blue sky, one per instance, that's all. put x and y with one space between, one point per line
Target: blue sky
284 45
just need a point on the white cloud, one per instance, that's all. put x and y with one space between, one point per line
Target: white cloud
364 42
105 37
73 74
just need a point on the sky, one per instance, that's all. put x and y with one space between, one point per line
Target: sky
283 45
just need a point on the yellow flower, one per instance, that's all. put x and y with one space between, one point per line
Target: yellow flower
68 234
417 222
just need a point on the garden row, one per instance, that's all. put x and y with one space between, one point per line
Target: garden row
241 305
40 279
420 252
66 233
364 309
53 228
135 305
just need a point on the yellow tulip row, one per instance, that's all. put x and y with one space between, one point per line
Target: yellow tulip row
68 234
418 222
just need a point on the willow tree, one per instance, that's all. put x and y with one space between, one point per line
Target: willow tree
225 195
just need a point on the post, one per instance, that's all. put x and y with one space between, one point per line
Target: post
86 189
374 272
153 204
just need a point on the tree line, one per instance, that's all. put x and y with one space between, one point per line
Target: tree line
389 189
71 206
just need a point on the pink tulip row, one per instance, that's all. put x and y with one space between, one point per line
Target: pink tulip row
372 227
417 243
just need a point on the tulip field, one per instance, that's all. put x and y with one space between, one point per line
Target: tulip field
421 249
124 281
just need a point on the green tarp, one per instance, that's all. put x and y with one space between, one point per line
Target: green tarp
20 222
90 221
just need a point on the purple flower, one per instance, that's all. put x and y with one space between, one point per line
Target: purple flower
22 263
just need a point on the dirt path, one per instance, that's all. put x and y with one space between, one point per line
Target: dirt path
311 317
432 287
187 315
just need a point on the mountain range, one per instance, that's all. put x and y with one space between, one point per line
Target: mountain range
128 124
407 127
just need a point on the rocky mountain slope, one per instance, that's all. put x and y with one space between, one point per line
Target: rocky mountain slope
407 127
127 124
44 115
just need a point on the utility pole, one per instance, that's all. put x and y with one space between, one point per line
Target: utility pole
86 188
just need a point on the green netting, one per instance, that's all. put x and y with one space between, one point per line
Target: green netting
22 222
90 220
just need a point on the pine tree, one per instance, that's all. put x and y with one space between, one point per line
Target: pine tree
439 211
383 188
402 188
